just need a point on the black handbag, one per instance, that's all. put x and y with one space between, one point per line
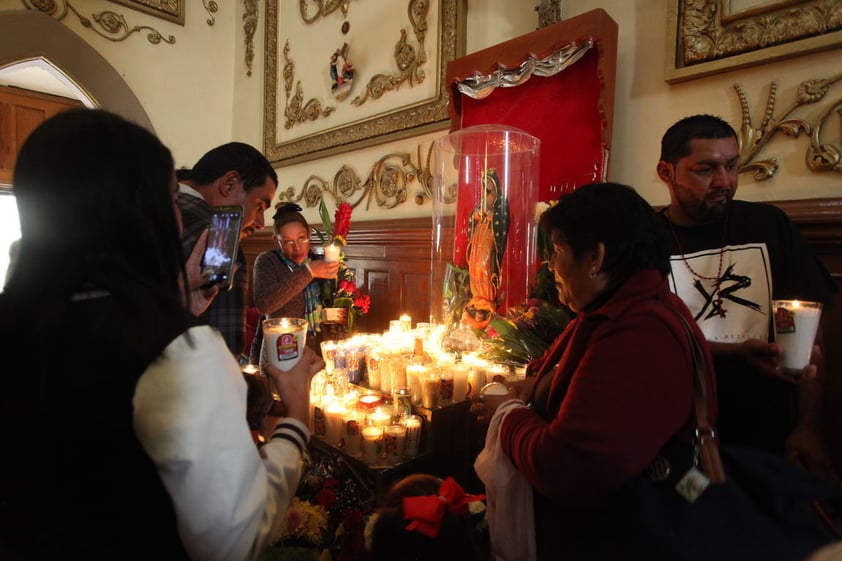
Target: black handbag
757 505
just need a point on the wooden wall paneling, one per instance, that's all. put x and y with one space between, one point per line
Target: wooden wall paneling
820 222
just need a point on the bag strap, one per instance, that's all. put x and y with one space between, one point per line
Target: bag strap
705 436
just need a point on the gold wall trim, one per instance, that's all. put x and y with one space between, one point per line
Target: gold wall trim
296 110
821 155
170 10
211 7
402 121
107 24
706 37
387 184
250 17
409 60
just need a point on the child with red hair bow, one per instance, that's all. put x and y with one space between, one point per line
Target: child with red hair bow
423 518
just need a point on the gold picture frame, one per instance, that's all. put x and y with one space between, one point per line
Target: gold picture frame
305 120
170 10
705 37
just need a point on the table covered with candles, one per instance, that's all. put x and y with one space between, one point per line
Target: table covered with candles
396 403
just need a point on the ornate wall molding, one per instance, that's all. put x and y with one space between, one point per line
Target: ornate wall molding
170 10
405 112
387 184
323 9
821 155
549 12
705 37
211 7
296 110
108 24
410 61
250 17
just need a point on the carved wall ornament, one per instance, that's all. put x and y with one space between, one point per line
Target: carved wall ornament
111 25
410 61
250 17
170 10
296 110
323 9
821 156
387 184
211 8
549 12
407 111
709 36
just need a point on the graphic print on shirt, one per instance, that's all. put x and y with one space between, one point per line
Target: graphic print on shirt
729 315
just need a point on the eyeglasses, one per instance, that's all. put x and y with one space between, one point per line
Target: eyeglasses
291 244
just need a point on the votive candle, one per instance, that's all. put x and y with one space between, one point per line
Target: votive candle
394 441
413 435
372 444
332 253
379 417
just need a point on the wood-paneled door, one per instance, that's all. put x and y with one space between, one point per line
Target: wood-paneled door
21 111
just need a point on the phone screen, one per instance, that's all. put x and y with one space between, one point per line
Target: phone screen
221 249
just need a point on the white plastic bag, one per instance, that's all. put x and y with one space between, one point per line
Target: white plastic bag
511 520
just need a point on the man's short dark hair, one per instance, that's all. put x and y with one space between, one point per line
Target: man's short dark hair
243 158
675 143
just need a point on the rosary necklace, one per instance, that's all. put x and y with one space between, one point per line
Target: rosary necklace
717 280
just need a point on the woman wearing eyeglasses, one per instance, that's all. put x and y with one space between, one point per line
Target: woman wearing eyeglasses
286 279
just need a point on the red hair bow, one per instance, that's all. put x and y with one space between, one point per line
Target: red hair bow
426 512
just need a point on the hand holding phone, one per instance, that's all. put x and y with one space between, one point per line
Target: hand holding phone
219 260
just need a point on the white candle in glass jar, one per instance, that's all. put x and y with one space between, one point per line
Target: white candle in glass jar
351 436
332 252
460 381
406 322
334 421
413 435
430 391
394 441
372 444
380 417
796 324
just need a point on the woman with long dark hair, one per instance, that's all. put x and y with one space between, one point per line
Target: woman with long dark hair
122 417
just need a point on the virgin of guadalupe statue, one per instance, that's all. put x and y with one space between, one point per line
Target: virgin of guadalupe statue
486 246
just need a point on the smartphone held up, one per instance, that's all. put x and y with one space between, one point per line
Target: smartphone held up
221 250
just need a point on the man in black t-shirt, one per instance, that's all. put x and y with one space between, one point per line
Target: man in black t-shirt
730 259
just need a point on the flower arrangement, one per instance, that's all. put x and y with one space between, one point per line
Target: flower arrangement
343 291
304 525
525 333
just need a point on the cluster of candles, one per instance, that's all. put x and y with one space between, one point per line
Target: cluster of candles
365 400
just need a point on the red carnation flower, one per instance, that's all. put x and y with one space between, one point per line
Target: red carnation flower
348 286
363 303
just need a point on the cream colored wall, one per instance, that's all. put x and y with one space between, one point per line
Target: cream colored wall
197 94
646 105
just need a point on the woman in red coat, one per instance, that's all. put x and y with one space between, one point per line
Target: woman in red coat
617 385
